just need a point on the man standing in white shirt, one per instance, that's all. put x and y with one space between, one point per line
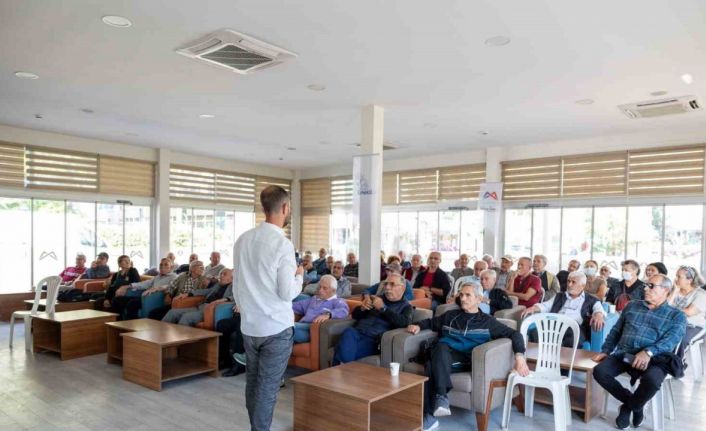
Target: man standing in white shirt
267 279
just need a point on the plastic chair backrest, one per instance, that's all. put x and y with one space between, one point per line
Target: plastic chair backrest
551 329
52 283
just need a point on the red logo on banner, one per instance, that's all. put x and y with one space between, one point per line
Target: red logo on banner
489 195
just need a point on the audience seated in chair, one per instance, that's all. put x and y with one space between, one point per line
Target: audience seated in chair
585 309
403 259
128 299
641 343
550 283
311 275
125 276
320 263
505 275
323 306
688 298
595 284
410 274
611 282
373 318
185 267
527 287
181 286
154 271
214 268
72 273
344 285
563 275
459 332
630 287
478 267
434 281
99 268
222 291
378 289
351 268
463 269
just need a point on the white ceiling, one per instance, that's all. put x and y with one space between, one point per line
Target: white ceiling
424 61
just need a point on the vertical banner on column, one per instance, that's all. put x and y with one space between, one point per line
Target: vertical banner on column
366 187
490 196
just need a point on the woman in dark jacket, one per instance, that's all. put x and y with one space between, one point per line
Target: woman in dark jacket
434 281
125 275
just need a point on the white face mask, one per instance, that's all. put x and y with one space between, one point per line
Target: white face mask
627 275
590 271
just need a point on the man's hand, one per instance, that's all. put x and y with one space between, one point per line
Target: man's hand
150 291
182 296
106 303
597 321
413 329
122 291
94 264
377 303
521 367
322 318
528 311
236 309
641 361
427 291
599 357
299 271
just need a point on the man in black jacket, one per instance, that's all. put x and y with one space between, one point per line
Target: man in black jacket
377 315
434 281
460 331
576 304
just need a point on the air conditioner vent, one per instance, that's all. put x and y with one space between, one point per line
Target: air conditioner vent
658 108
235 51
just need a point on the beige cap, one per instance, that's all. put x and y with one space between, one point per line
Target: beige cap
508 258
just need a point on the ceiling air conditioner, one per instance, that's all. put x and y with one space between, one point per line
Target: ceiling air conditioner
657 108
235 51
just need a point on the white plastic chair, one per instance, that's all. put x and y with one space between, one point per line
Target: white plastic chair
551 329
52 283
694 351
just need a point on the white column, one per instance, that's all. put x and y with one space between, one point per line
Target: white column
296 199
373 118
491 220
161 206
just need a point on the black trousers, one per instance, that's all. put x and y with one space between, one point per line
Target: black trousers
160 312
231 341
444 361
127 307
651 380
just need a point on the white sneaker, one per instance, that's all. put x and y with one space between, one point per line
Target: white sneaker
430 423
239 358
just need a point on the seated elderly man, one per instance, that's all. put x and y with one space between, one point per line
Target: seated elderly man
506 276
310 273
563 275
373 318
320 263
185 267
585 309
641 343
463 269
99 268
526 286
378 289
494 298
351 268
434 281
410 274
181 286
478 267
214 268
342 291
221 292
460 331
72 273
323 306
550 283
128 297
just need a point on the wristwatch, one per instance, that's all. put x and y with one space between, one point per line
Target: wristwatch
649 353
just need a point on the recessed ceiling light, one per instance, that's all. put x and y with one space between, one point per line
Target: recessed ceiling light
87 111
38 116
324 143
26 75
355 144
291 149
281 158
431 125
484 132
658 93
497 41
585 102
687 78
117 21
316 87
206 116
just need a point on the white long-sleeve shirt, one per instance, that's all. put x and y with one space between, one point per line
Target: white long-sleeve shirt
265 284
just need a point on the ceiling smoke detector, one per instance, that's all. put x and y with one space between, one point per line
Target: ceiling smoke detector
235 51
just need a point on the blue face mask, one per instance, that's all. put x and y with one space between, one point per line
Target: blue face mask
590 271
627 275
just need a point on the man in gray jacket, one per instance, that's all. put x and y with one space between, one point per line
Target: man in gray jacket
220 292
128 297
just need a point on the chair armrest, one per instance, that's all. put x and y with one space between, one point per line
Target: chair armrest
91 285
210 313
424 303
329 333
314 346
353 302
419 293
386 345
187 302
405 346
490 361
151 302
598 337
514 313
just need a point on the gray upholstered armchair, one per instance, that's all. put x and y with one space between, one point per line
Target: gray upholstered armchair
331 331
483 388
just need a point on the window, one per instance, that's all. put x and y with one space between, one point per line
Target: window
224 231
408 235
472 234
682 236
48 238
576 235
608 236
110 231
180 233
428 232
518 232
389 225
81 231
137 235
203 234
449 238
16 244
644 235
545 235
343 239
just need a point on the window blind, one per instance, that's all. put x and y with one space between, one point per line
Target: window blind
531 179
316 211
389 188
418 186
54 169
341 192
666 171
595 175
190 183
461 182
126 176
12 165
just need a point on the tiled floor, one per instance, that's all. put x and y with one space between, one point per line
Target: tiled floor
40 392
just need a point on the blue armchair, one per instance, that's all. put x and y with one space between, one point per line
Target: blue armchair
151 302
598 337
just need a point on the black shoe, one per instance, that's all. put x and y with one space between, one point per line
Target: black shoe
638 417
281 384
623 419
234 371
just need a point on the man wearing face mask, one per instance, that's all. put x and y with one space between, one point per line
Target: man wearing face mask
630 288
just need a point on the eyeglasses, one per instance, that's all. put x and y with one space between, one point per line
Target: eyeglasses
652 285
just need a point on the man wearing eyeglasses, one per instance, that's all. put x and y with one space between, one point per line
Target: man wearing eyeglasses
641 343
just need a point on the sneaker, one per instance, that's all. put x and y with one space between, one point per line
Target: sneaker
281 384
430 422
623 419
441 406
638 417
239 358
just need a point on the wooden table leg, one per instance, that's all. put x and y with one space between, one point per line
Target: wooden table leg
142 363
341 413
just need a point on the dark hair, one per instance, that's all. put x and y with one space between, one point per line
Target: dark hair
660 267
272 198
632 263
105 255
124 256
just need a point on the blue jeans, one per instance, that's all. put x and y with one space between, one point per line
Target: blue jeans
301 332
353 345
266 362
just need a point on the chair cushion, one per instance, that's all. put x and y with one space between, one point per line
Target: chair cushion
413 367
371 360
301 350
462 382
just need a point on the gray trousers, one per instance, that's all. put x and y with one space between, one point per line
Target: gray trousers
184 316
266 359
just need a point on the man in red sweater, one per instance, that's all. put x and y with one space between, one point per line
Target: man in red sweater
527 287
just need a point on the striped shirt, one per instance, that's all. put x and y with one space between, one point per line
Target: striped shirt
639 328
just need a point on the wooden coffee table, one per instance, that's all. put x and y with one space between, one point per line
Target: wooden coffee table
584 399
357 397
61 306
72 334
168 352
115 341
